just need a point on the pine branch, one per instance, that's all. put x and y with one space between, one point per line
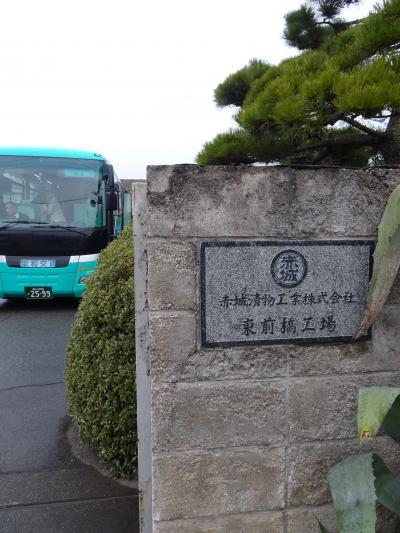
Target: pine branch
327 22
344 140
365 129
342 24
320 157
349 23
335 117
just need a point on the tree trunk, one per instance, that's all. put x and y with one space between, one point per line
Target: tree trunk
391 147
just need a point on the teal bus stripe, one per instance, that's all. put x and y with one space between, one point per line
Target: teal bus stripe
49 152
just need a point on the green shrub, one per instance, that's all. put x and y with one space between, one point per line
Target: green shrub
100 373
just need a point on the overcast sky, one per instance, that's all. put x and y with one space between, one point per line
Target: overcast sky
132 80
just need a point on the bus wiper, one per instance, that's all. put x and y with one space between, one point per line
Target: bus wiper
69 228
9 223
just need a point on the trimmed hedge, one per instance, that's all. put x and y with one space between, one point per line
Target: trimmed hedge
100 372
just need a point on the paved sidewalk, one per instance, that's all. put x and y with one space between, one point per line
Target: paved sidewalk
49 482
73 497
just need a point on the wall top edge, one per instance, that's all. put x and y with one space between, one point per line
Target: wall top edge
240 167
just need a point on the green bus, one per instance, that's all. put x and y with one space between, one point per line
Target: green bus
58 209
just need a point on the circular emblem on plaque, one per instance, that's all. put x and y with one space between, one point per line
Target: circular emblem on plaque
289 268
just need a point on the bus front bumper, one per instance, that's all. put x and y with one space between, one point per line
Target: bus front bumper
64 282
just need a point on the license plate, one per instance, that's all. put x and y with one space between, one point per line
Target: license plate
37 263
38 293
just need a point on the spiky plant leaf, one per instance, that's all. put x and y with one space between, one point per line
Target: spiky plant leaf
322 528
391 422
386 261
373 406
351 483
387 487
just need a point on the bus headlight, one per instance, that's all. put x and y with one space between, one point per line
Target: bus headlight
83 279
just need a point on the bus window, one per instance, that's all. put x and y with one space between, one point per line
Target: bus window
53 217
127 209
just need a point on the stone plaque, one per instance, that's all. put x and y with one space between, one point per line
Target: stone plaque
276 292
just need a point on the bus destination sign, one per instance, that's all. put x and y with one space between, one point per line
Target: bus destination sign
279 292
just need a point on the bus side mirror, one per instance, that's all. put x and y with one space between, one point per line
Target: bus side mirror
108 174
112 201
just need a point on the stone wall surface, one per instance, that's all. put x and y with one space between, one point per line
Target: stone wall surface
243 437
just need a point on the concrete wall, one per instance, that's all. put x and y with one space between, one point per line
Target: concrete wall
242 438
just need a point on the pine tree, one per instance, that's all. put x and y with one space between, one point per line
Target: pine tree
338 102
312 24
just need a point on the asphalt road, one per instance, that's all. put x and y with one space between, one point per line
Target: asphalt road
44 488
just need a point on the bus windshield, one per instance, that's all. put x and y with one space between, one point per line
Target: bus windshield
50 190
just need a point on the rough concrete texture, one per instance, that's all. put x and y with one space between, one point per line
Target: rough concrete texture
177 359
271 522
338 202
195 201
380 353
190 200
218 482
326 407
235 364
218 415
243 438
172 341
172 273
304 520
308 465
